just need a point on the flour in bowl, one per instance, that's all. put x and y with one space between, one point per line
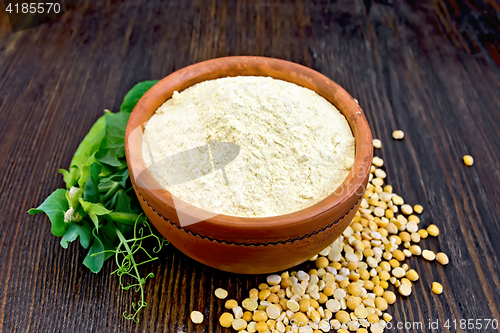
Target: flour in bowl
248 146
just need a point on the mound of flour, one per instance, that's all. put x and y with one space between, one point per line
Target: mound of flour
295 148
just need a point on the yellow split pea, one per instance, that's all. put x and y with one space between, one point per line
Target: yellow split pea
468 160
226 319
398 135
437 288
196 317
383 234
220 293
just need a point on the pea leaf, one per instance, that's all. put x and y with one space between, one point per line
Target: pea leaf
109 239
91 191
70 176
95 257
135 94
120 176
112 148
54 206
90 143
94 210
84 174
83 154
76 230
120 202
106 171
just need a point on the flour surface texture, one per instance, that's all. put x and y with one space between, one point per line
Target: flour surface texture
295 148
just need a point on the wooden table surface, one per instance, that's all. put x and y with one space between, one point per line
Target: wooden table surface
427 67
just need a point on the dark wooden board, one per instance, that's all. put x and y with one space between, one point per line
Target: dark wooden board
428 67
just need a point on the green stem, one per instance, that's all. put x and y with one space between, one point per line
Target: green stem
126 218
111 192
105 188
124 242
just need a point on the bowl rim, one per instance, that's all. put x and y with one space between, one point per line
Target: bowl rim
353 185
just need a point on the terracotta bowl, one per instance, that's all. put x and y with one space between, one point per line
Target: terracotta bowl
238 244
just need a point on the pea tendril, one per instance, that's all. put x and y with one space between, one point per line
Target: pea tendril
128 266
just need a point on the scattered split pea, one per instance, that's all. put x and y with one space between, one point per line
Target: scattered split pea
398 135
351 277
437 288
428 255
442 258
468 160
220 293
196 317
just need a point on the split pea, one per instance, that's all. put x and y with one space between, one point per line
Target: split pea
247 304
293 306
354 289
415 250
273 280
404 289
377 161
433 230
412 275
423 233
196 317
398 272
300 318
239 324
418 209
406 209
226 319
342 316
322 262
361 312
247 316
230 304
398 135
220 293
389 297
414 218
397 200
261 327
238 312
381 303
437 288
468 160
428 255
442 258
259 316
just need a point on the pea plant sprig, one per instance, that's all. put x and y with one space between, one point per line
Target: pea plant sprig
98 206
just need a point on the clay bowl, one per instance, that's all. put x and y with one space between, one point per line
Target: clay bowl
249 245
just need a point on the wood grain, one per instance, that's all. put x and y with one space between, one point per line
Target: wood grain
429 67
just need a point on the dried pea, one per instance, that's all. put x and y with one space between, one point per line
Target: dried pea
196 317
468 160
437 288
398 135
226 319
442 258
